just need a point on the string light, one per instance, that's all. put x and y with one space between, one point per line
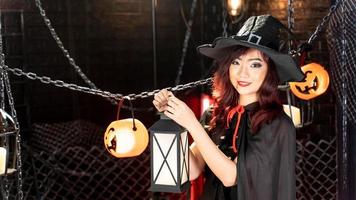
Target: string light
234 7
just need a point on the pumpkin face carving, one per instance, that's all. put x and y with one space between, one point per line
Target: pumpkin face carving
121 140
315 83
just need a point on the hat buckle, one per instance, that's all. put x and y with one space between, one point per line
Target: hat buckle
252 36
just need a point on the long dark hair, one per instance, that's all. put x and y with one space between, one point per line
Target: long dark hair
226 96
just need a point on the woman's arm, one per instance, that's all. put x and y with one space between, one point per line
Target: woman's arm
220 165
196 162
218 162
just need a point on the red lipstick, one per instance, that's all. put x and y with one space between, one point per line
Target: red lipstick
243 83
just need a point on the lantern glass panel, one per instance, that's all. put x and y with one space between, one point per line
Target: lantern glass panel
166 169
2 160
8 152
184 152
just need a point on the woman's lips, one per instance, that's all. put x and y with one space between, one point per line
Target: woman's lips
243 83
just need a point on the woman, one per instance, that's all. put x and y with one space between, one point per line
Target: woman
249 152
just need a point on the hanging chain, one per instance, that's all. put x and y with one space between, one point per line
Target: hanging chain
106 94
61 46
345 143
6 182
290 23
2 63
2 91
290 27
18 135
224 16
321 26
59 83
186 41
64 50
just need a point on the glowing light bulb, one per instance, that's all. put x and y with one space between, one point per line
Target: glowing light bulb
125 141
234 7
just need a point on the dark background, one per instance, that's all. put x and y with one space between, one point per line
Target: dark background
111 41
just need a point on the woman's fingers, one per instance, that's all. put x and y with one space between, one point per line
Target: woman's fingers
174 100
166 93
171 109
168 114
158 106
171 103
160 97
161 100
174 108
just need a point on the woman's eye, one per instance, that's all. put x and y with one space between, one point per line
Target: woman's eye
235 62
256 65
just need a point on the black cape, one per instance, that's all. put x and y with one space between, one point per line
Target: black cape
265 164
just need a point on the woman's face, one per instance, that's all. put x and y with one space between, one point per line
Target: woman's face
247 74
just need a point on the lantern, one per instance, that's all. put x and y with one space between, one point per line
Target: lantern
8 144
126 138
315 83
169 156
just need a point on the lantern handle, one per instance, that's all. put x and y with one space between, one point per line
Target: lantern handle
132 114
131 108
119 105
303 50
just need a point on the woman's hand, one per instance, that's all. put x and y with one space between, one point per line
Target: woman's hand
174 108
161 99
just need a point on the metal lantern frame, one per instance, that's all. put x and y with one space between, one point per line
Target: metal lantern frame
306 107
8 140
178 144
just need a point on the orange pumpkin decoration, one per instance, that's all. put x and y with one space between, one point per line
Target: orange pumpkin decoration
315 83
122 140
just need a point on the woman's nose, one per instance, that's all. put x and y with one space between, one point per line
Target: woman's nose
243 72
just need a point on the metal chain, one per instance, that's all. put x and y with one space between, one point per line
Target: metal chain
18 135
186 41
61 46
2 90
2 63
321 26
173 89
60 83
345 141
71 61
106 94
290 27
6 182
224 15
290 22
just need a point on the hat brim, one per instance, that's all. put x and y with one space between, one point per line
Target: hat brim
287 69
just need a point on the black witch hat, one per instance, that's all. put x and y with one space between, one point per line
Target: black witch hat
262 33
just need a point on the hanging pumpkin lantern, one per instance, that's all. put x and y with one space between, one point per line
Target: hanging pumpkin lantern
315 83
125 139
